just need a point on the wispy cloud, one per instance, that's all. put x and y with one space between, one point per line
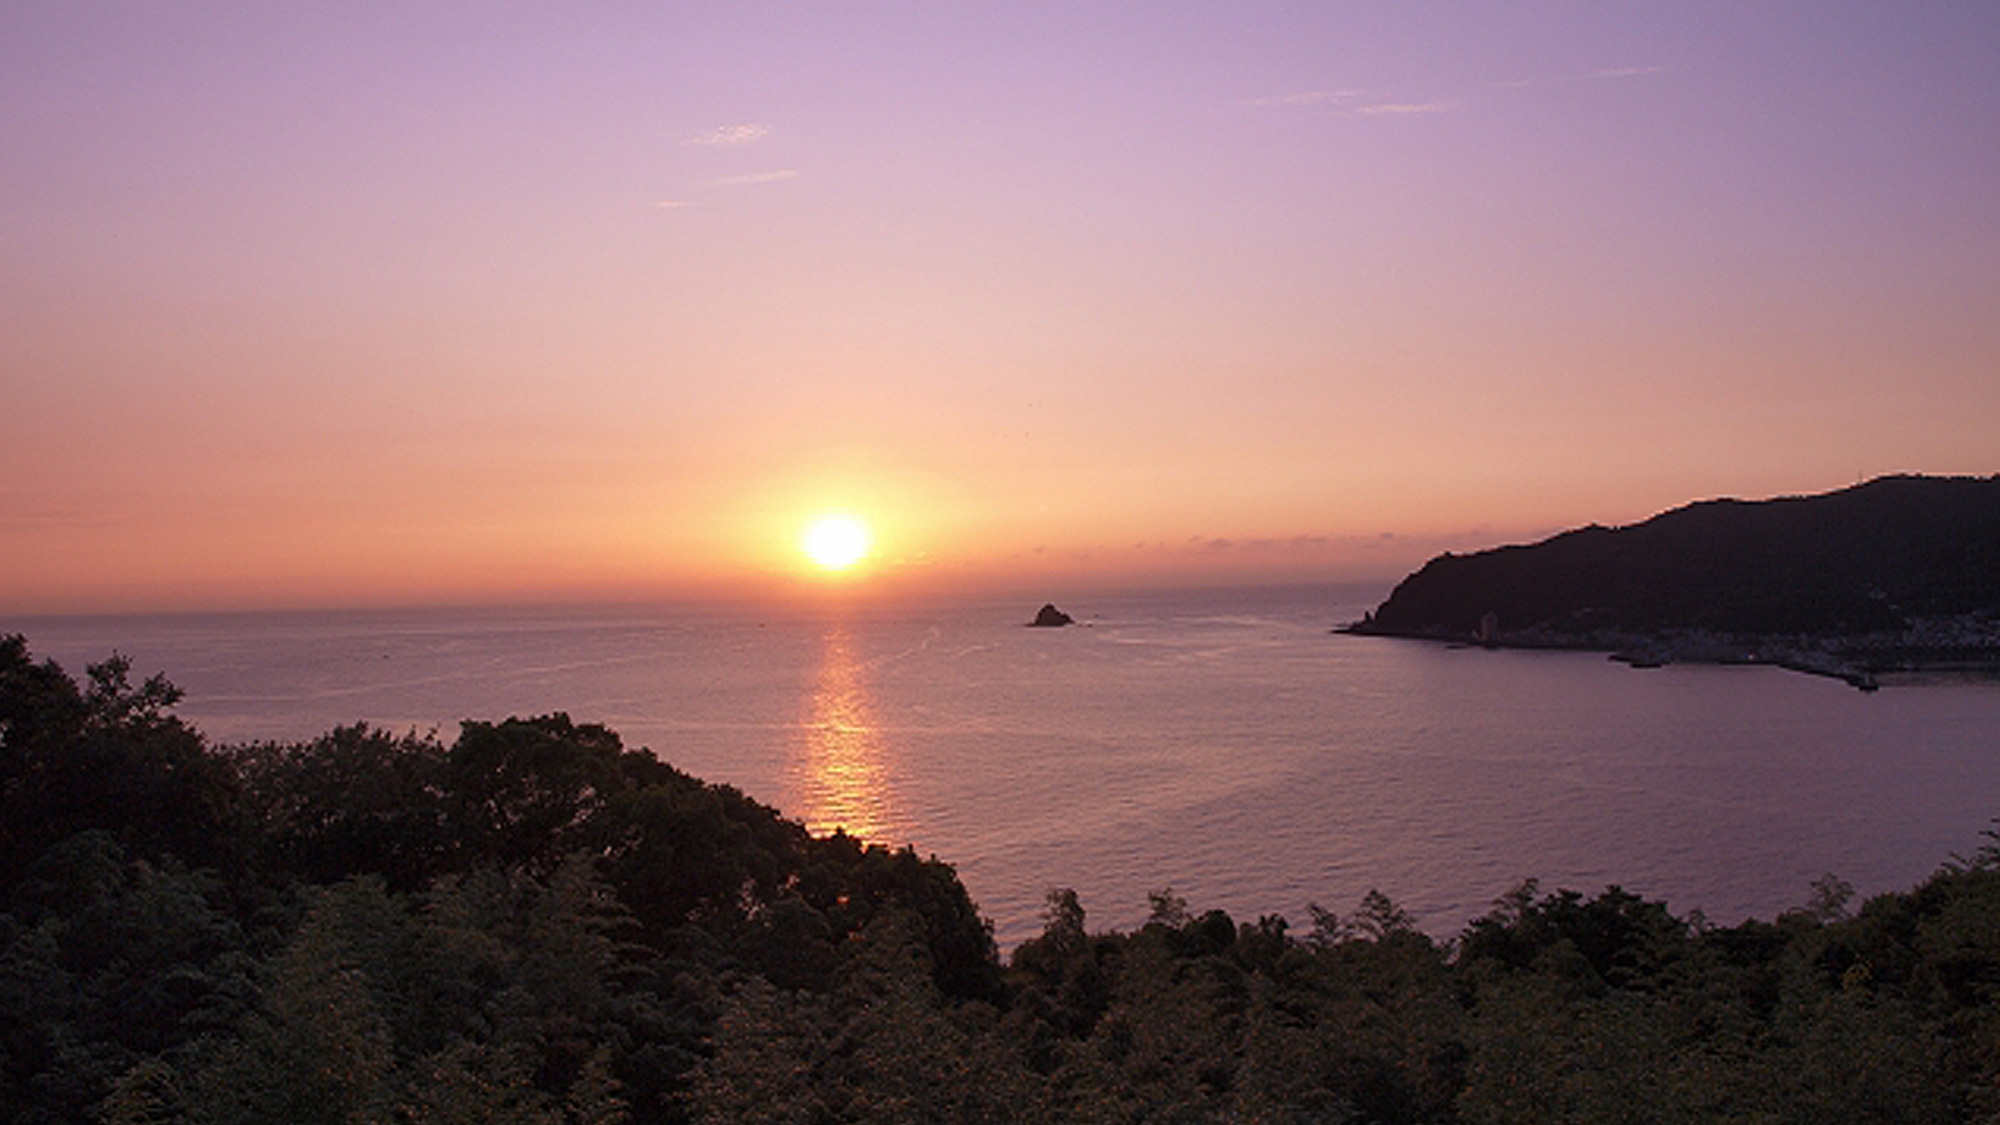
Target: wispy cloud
731 135
1390 109
1377 103
1346 103
1592 76
1628 71
674 204
754 178
1304 98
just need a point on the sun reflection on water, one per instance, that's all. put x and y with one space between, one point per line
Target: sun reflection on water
841 779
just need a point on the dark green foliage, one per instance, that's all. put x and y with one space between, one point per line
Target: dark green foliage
867 882
109 758
531 923
354 801
684 852
525 793
535 925
882 1043
1058 976
104 961
1616 940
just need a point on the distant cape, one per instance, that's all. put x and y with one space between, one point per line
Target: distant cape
1901 571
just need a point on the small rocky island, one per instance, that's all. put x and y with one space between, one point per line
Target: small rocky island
1900 574
1049 617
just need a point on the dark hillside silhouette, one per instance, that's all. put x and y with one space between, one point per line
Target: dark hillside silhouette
1910 563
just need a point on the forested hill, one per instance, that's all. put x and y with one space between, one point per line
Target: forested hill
1913 562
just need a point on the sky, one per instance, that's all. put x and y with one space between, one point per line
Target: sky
400 303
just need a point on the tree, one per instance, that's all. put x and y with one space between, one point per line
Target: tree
107 961
318 1050
526 792
108 758
354 801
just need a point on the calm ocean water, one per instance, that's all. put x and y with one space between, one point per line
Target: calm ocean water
1222 743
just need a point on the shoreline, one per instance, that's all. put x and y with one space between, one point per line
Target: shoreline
1860 662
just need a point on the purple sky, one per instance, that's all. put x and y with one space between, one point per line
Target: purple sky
323 304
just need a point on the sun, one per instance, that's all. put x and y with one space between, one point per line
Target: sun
835 541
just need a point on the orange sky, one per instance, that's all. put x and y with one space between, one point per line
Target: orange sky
375 304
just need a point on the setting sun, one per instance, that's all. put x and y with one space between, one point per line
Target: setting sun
836 542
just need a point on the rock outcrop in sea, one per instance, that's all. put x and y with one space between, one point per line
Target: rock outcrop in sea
1049 617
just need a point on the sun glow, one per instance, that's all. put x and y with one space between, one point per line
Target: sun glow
836 541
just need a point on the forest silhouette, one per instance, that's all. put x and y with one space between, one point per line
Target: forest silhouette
533 923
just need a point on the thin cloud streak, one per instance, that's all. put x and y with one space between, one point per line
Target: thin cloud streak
1342 102
1302 98
754 178
1391 109
1606 74
731 135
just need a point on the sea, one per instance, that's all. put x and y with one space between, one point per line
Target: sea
1226 745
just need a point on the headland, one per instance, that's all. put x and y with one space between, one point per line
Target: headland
1897 575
